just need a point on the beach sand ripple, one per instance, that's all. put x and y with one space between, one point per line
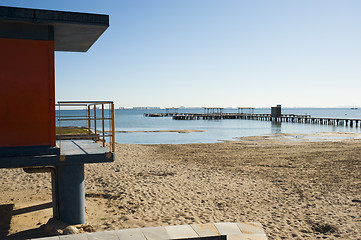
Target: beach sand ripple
296 190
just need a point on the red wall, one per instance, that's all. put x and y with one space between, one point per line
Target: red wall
27 93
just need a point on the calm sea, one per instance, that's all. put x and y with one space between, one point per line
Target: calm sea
215 130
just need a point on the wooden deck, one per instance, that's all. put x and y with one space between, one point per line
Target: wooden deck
209 231
83 151
71 152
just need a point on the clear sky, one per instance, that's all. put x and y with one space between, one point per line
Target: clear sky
225 53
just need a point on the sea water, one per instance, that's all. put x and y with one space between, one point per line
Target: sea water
133 123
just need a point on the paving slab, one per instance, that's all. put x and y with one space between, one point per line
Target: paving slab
233 231
81 236
155 233
205 230
251 228
108 235
228 228
246 237
130 234
181 231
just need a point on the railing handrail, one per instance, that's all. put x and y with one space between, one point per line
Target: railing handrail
92 115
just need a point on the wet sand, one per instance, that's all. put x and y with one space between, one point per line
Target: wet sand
297 189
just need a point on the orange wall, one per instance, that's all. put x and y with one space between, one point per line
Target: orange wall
27 93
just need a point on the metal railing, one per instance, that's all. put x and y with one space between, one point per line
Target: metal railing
94 118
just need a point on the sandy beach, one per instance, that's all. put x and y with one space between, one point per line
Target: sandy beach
297 189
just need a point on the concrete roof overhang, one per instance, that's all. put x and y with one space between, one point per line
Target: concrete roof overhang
71 31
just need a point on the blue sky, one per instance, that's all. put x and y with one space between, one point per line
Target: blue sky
225 53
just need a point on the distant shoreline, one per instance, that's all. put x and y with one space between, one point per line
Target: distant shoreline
163 131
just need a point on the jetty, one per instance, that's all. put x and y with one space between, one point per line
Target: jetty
267 117
274 116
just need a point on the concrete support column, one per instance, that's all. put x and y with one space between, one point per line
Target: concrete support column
71 193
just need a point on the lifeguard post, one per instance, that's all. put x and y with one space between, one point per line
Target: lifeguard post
28 39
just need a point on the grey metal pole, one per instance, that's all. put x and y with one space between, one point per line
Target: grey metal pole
71 193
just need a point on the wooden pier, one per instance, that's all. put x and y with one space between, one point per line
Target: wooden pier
160 114
293 118
267 117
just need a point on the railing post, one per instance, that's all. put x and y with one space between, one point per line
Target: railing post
95 119
113 133
89 122
103 124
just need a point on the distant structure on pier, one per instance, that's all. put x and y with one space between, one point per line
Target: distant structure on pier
250 109
276 111
213 110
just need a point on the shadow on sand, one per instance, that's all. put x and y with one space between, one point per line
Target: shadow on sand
7 212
